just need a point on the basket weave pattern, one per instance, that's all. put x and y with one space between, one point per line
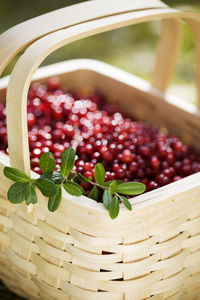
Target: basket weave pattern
43 258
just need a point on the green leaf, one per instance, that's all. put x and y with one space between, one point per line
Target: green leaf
131 188
83 191
99 173
107 198
126 202
47 162
82 178
31 196
17 193
47 187
76 179
94 193
114 207
46 176
72 188
16 175
67 161
113 187
54 201
56 177
107 183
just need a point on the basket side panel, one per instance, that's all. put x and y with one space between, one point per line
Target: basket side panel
57 261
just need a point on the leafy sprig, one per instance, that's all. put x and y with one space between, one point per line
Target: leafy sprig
51 182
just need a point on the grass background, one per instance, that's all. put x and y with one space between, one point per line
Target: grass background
131 48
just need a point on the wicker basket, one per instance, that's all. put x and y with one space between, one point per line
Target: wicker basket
78 252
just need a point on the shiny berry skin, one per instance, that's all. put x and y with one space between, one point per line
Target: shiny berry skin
176 178
37 152
31 119
87 166
162 179
108 156
57 134
153 185
178 145
144 150
120 174
88 149
164 164
127 156
133 167
68 130
187 169
37 170
115 167
169 172
88 174
177 165
154 162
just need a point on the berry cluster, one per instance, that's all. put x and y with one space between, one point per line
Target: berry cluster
129 150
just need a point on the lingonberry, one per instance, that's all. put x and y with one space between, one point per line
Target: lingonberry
96 155
88 148
37 170
176 178
129 150
133 167
108 156
115 167
152 185
120 173
144 150
177 165
169 172
128 175
154 162
162 179
164 164
140 173
127 156
187 169
88 166
31 119
88 174
68 130
37 152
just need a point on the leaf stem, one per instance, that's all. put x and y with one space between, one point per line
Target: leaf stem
118 197
94 183
100 186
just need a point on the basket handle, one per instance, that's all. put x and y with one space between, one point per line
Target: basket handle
39 50
20 36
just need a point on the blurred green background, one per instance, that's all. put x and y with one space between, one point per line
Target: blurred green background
131 48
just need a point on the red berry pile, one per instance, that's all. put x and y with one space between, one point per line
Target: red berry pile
129 150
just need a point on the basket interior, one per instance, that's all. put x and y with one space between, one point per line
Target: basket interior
133 95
